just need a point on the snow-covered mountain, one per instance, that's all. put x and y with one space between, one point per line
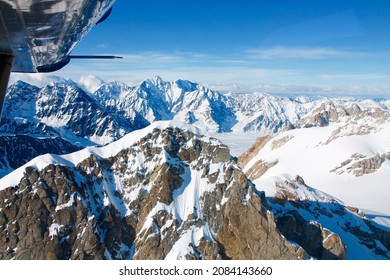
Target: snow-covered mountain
60 109
155 99
59 117
163 192
259 112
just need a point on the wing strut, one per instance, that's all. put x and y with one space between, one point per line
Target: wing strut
94 57
6 61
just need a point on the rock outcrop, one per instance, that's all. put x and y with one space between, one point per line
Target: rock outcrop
320 223
360 165
253 150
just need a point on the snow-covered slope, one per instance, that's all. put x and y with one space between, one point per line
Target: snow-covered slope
348 160
303 171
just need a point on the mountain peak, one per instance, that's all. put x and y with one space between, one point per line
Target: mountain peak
158 80
22 84
36 79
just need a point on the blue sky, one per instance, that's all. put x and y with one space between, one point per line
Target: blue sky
332 45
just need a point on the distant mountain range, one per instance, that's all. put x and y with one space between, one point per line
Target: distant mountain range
72 115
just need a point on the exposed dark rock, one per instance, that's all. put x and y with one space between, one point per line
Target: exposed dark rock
16 150
360 165
299 180
318 242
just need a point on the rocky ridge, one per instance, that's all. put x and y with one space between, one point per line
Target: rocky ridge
160 193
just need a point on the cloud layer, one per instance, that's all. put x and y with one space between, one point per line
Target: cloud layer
313 68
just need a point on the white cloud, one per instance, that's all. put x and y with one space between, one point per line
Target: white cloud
245 68
360 91
178 65
281 52
165 58
353 76
102 46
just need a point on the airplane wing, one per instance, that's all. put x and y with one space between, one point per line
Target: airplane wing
42 33
39 35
